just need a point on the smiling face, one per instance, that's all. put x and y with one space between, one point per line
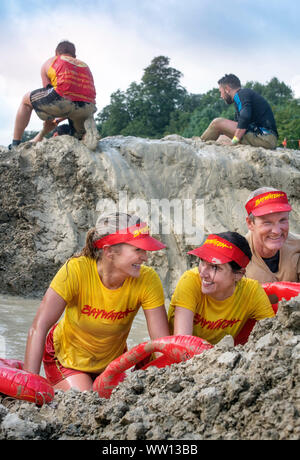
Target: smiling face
128 259
269 232
218 281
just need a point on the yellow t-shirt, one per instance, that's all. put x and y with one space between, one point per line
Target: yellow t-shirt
213 319
97 320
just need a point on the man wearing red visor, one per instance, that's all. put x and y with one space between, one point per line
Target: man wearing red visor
99 290
276 252
214 299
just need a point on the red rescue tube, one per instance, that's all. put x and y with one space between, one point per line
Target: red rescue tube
194 346
20 384
175 348
281 290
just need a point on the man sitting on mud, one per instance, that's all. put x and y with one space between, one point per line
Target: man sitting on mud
68 92
275 252
255 124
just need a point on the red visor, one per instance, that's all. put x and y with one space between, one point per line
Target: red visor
267 203
137 235
216 250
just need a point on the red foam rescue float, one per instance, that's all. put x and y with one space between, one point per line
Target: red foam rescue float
282 290
20 384
175 349
276 292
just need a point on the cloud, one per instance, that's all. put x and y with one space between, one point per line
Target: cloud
115 55
295 84
119 38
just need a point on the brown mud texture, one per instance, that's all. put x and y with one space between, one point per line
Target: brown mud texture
232 393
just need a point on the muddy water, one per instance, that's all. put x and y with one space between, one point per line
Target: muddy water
16 316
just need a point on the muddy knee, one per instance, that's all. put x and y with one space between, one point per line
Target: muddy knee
26 99
216 123
213 131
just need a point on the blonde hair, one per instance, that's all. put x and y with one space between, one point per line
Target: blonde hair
259 191
105 225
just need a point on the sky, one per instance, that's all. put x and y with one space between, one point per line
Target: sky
204 39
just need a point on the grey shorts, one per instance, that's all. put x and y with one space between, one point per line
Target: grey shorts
48 104
268 141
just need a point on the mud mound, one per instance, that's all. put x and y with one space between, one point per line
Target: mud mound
52 193
249 392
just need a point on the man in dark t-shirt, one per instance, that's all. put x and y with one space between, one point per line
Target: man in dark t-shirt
254 120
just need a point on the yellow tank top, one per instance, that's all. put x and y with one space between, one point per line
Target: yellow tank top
72 79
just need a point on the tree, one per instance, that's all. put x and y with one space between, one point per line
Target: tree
288 122
278 94
210 106
275 92
158 105
146 108
163 92
114 117
138 108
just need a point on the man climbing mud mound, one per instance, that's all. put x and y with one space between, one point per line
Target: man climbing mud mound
68 92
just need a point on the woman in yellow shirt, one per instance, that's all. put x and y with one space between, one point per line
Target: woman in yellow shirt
99 290
214 299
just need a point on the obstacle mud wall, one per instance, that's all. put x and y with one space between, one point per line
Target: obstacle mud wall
52 193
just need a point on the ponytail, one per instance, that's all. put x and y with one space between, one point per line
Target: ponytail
89 249
106 224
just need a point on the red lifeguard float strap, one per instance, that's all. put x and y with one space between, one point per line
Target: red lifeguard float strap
276 292
20 384
175 349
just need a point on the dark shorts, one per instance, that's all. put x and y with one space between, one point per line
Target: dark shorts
55 372
44 96
48 104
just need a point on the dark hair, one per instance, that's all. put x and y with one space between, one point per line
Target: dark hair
230 80
66 47
239 241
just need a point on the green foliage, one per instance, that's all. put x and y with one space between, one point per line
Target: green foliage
145 109
159 105
275 92
113 118
288 122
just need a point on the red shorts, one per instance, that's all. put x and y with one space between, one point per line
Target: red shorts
54 370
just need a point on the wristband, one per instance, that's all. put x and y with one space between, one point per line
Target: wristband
235 140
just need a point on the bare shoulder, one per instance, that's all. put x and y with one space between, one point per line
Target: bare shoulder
47 64
44 71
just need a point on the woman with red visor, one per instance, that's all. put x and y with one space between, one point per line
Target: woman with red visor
99 290
214 299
